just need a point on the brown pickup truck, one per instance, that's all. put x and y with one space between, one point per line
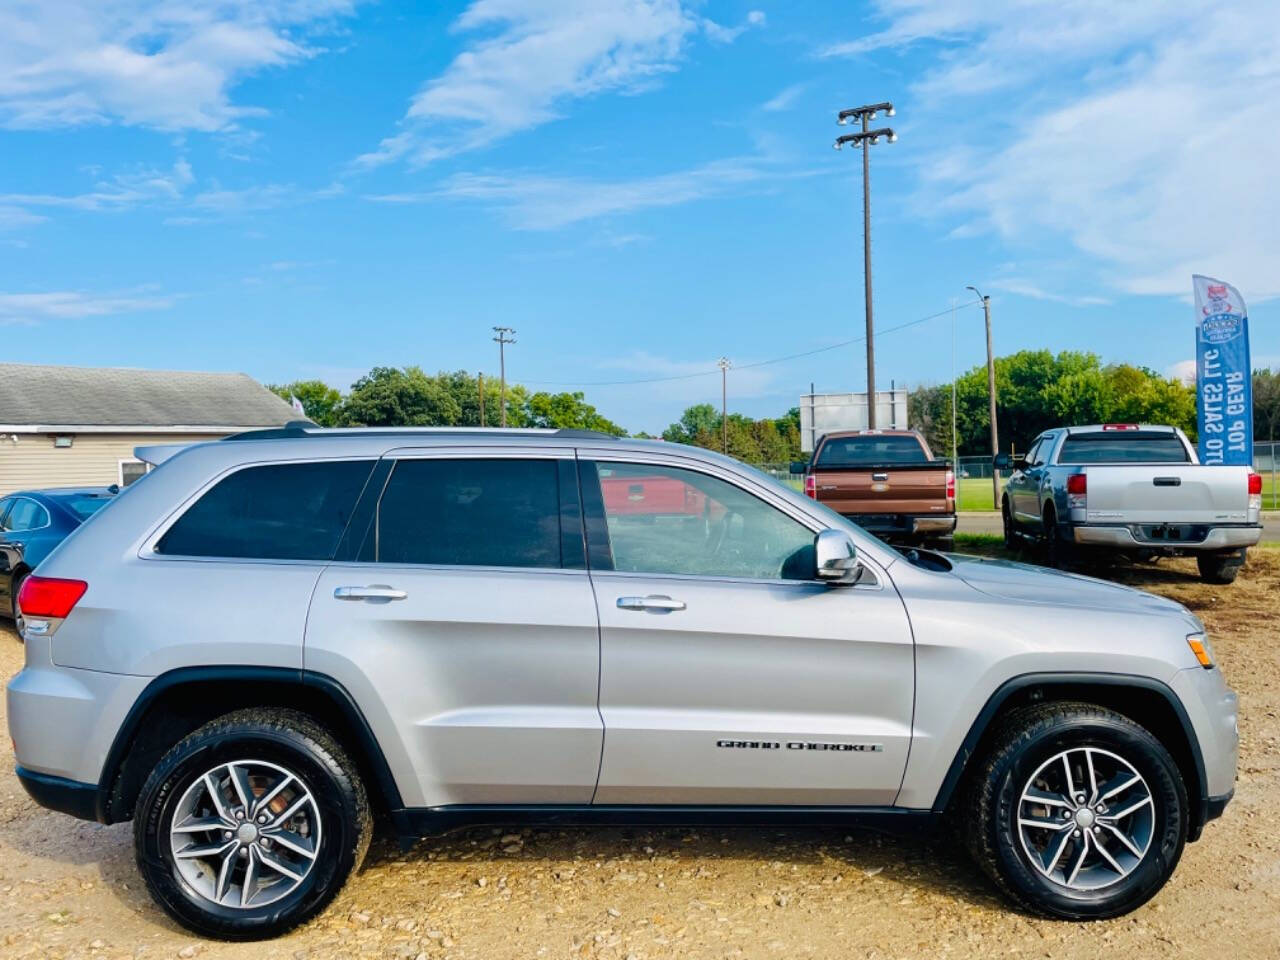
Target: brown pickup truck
887 482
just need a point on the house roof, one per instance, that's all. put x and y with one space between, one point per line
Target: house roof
94 399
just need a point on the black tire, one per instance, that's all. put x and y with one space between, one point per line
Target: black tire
1011 540
1220 568
294 742
1058 552
942 544
15 587
1030 738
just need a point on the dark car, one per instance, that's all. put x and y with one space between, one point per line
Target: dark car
32 523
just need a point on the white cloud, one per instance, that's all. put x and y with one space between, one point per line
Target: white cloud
525 59
123 191
784 98
31 308
1144 134
1183 371
532 202
1029 288
152 63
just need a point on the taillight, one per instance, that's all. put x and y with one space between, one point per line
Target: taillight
1077 488
1255 484
811 486
951 485
49 597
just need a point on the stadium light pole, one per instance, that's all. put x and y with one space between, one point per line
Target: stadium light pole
991 396
866 139
724 365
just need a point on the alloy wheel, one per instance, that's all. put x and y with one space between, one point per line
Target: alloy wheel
1086 818
245 834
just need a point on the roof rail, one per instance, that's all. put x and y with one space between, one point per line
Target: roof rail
296 429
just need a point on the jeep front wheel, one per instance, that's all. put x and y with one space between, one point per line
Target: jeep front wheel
251 825
1077 812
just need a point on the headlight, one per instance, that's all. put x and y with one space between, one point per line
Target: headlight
1199 644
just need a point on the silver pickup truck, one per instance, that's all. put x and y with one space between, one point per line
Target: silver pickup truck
1134 489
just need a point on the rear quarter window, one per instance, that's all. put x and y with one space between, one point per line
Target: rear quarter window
1087 448
288 511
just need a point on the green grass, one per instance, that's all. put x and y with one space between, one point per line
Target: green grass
975 493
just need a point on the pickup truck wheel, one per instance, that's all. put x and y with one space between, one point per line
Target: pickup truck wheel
1220 568
1011 541
251 825
1076 812
1057 551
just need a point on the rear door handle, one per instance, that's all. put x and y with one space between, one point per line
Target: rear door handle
377 592
651 602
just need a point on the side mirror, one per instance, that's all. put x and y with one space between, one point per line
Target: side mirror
1002 461
799 466
837 558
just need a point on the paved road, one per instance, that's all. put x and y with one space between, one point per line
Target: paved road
988 521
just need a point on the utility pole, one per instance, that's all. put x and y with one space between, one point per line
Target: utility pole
991 396
865 140
502 339
480 381
955 442
723 364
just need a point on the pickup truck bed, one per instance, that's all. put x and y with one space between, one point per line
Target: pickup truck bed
1134 489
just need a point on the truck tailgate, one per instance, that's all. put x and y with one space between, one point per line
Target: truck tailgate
1167 493
901 489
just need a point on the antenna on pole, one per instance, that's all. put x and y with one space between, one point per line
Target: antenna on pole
504 337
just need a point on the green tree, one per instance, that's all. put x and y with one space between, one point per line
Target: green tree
1266 405
566 411
391 397
319 400
698 419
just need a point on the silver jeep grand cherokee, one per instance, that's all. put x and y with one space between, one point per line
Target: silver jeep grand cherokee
270 639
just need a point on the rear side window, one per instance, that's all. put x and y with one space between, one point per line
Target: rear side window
487 513
287 511
1085 448
870 451
26 515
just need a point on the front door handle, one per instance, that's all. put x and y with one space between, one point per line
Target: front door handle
651 602
377 593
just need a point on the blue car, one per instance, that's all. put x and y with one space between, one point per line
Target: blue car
32 523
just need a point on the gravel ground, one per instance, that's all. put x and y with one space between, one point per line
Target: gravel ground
69 889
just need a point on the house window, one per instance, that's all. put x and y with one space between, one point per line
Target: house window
131 470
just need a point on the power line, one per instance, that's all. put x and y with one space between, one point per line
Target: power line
712 371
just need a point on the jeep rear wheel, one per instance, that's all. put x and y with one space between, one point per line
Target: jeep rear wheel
251 825
1077 812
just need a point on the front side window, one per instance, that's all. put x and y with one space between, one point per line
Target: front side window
286 511
667 520
489 513
26 515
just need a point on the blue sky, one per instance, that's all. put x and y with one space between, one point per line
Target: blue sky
308 188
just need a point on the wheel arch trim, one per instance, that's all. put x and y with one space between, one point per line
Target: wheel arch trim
336 693
1199 812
